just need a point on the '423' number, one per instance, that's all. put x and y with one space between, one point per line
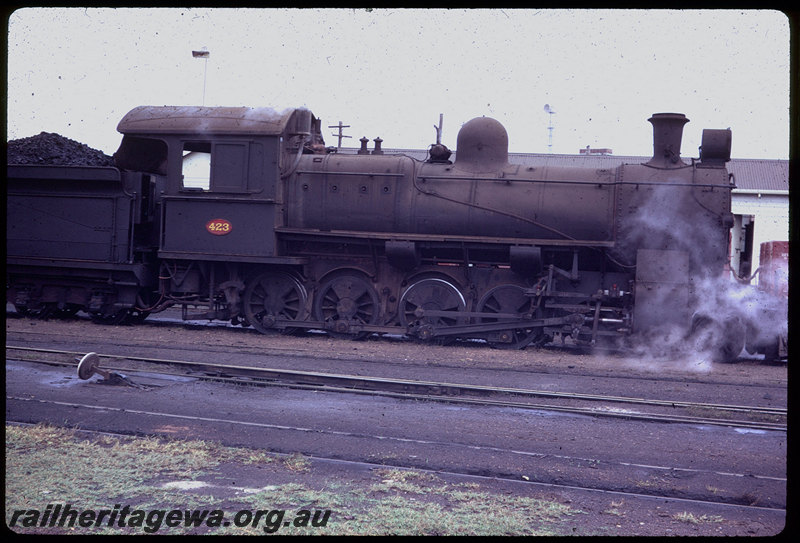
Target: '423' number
219 227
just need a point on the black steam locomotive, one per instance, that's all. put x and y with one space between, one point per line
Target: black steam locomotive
243 214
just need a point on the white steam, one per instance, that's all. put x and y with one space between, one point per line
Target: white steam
720 317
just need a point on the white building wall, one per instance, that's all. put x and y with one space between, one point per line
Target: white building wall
771 217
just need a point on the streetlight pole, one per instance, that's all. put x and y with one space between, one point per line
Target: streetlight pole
204 54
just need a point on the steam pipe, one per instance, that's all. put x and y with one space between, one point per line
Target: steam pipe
296 158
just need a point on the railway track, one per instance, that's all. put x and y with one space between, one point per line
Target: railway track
632 408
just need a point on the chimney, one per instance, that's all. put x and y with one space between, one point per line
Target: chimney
667 134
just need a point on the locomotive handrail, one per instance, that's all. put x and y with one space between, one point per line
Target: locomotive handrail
366 174
566 182
296 162
508 179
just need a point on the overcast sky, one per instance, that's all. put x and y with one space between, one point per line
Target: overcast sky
391 72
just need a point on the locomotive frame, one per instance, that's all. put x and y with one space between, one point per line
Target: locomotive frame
243 214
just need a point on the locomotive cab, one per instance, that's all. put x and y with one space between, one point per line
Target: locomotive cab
221 167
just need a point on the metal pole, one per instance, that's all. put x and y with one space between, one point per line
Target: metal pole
340 135
205 73
204 54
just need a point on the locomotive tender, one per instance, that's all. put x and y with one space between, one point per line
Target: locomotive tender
243 214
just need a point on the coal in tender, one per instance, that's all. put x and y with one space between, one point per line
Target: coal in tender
53 149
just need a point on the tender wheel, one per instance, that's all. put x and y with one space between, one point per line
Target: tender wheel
66 312
136 316
43 311
344 300
22 310
274 296
431 294
508 299
120 317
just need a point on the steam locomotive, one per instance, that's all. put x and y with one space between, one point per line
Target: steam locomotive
243 214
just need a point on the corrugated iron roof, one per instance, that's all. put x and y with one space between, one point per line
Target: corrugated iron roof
760 174
750 174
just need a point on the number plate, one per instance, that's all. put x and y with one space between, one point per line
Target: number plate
219 227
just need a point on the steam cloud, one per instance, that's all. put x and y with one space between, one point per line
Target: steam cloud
723 311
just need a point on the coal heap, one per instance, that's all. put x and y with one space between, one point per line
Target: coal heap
53 149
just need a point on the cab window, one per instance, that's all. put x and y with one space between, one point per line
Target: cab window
196 166
218 167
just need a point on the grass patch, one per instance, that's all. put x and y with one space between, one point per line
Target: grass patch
691 518
297 462
47 466
614 509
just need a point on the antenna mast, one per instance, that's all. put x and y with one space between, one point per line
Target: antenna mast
551 112
340 135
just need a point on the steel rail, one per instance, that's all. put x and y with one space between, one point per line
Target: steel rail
436 391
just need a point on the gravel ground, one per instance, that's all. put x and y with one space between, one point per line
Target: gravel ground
601 513
469 354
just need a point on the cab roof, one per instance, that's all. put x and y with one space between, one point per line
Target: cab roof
206 120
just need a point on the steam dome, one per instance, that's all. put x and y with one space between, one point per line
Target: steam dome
482 145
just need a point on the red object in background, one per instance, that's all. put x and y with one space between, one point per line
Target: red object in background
774 267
